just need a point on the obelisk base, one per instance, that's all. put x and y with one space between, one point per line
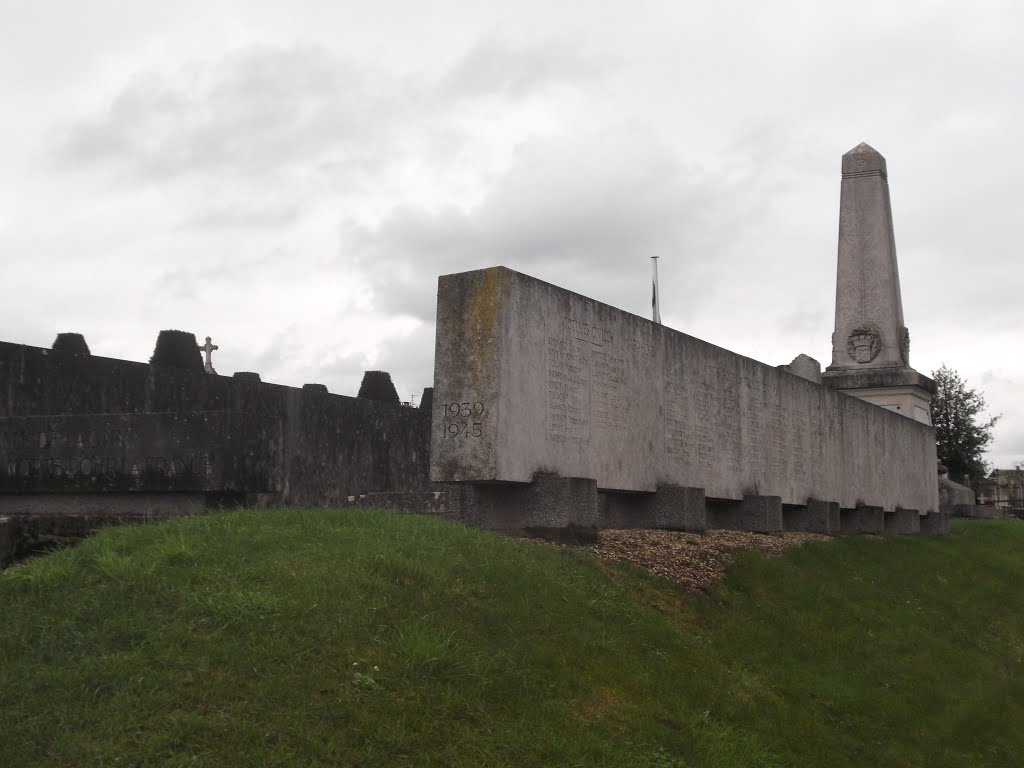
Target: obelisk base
900 389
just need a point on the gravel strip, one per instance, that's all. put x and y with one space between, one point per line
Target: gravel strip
694 561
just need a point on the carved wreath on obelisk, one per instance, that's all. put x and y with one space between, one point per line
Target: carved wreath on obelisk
905 344
864 344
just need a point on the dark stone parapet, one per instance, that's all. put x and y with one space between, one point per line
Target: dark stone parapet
77 424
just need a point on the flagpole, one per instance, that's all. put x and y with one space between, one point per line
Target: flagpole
655 298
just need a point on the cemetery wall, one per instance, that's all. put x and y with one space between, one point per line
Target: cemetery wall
533 379
75 424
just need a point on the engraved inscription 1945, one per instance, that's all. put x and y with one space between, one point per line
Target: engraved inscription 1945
464 419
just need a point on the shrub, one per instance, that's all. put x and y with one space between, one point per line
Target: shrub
178 349
71 342
427 400
377 385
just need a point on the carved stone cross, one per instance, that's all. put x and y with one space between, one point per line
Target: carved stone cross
208 348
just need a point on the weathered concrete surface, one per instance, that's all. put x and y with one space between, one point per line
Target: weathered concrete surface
151 452
935 523
903 521
862 519
680 509
804 366
548 503
669 508
80 425
530 378
758 514
813 517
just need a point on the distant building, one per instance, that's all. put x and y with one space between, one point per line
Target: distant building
1002 488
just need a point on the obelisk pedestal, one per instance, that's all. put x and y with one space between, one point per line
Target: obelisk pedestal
871 344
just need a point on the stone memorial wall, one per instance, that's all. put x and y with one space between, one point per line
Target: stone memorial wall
533 379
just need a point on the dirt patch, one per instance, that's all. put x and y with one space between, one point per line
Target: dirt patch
694 561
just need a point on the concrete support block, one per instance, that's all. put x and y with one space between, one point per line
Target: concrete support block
671 507
677 508
862 519
757 514
903 521
815 517
935 523
549 502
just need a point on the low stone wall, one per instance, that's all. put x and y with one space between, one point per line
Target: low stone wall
35 522
421 502
983 512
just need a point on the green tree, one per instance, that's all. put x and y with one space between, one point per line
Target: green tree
961 433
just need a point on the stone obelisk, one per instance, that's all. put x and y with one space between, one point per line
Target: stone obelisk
871 344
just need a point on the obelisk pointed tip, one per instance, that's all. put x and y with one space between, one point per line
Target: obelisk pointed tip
863 160
864 149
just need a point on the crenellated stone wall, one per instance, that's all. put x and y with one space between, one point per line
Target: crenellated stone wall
96 427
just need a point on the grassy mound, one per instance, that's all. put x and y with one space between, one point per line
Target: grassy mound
313 637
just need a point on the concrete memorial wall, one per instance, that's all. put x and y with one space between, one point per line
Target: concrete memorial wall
531 379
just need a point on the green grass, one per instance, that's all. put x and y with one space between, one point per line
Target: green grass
335 638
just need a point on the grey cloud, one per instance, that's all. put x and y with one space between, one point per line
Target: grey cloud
496 66
585 212
179 281
273 362
801 320
238 214
264 109
409 359
258 110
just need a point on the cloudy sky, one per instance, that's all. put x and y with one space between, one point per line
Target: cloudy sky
291 178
